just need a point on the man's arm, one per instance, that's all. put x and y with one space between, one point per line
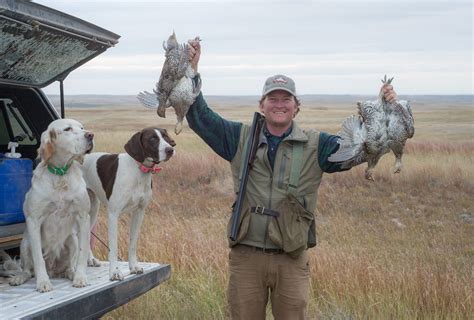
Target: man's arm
327 146
220 134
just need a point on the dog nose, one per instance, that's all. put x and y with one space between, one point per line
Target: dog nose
169 151
89 135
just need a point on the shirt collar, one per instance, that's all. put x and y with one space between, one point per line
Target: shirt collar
284 135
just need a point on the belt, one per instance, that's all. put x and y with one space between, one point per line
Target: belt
264 250
266 211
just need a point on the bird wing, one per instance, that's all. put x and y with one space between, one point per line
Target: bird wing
408 119
401 123
148 99
183 61
375 123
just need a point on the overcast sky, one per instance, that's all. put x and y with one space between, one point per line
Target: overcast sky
327 47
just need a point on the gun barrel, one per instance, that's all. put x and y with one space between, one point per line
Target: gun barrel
251 143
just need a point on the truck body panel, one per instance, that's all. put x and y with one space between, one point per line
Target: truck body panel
67 302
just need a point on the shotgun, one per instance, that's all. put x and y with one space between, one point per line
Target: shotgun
250 150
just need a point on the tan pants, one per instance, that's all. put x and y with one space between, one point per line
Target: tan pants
255 275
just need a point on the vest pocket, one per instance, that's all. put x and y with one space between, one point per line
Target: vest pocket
290 230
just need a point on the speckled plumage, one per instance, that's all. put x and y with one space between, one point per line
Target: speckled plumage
380 127
176 87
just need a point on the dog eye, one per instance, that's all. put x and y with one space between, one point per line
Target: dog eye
68 129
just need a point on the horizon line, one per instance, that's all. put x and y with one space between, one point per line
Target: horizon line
257 95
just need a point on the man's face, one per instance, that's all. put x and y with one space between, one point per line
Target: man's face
279 108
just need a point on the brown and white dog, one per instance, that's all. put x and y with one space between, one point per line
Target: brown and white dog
123 183
56 208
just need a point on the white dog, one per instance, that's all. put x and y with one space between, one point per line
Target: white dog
55 242
123 182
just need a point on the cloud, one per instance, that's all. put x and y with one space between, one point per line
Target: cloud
341 46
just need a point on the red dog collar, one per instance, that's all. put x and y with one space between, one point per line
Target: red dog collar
153 169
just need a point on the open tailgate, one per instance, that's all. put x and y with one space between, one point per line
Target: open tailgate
39 45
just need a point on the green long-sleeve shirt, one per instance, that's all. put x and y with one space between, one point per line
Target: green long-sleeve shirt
223 136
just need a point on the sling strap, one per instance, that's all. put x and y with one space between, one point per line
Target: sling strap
295 168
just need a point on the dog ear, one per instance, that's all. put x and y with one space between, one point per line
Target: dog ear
46 149
134 147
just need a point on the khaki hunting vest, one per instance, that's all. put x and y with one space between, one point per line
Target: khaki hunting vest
269 188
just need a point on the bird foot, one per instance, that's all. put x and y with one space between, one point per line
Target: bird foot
398 167
178 128
369 176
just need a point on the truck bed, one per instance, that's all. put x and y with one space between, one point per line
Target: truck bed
67 302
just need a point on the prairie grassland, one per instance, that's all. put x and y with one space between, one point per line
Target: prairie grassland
398 248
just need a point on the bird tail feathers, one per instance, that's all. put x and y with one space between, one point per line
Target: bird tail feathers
352 137
148 99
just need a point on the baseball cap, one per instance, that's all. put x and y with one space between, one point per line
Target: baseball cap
279 82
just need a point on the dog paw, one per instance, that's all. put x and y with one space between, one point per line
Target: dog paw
136 269
69 274
93 262
79 281
19 279
116 275
43 285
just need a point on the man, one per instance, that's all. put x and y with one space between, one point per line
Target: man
269 257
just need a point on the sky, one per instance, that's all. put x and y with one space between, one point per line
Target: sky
327 47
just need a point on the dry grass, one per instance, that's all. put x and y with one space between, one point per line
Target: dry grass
399 248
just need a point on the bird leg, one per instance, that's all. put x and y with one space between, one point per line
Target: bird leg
384 81
180 114
370 169
398 164
372 162
178 127
397 149
369 174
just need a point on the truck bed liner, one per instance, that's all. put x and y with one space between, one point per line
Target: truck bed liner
67 302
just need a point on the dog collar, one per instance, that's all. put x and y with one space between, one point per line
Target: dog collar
153 169
59 171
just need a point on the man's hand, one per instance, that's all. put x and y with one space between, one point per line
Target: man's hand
388 93
194 52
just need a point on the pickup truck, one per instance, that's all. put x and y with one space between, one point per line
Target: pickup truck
40 45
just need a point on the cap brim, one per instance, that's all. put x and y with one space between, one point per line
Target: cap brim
276 88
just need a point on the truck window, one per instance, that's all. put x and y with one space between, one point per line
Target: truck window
13 125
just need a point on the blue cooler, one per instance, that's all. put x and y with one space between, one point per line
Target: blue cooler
15 181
